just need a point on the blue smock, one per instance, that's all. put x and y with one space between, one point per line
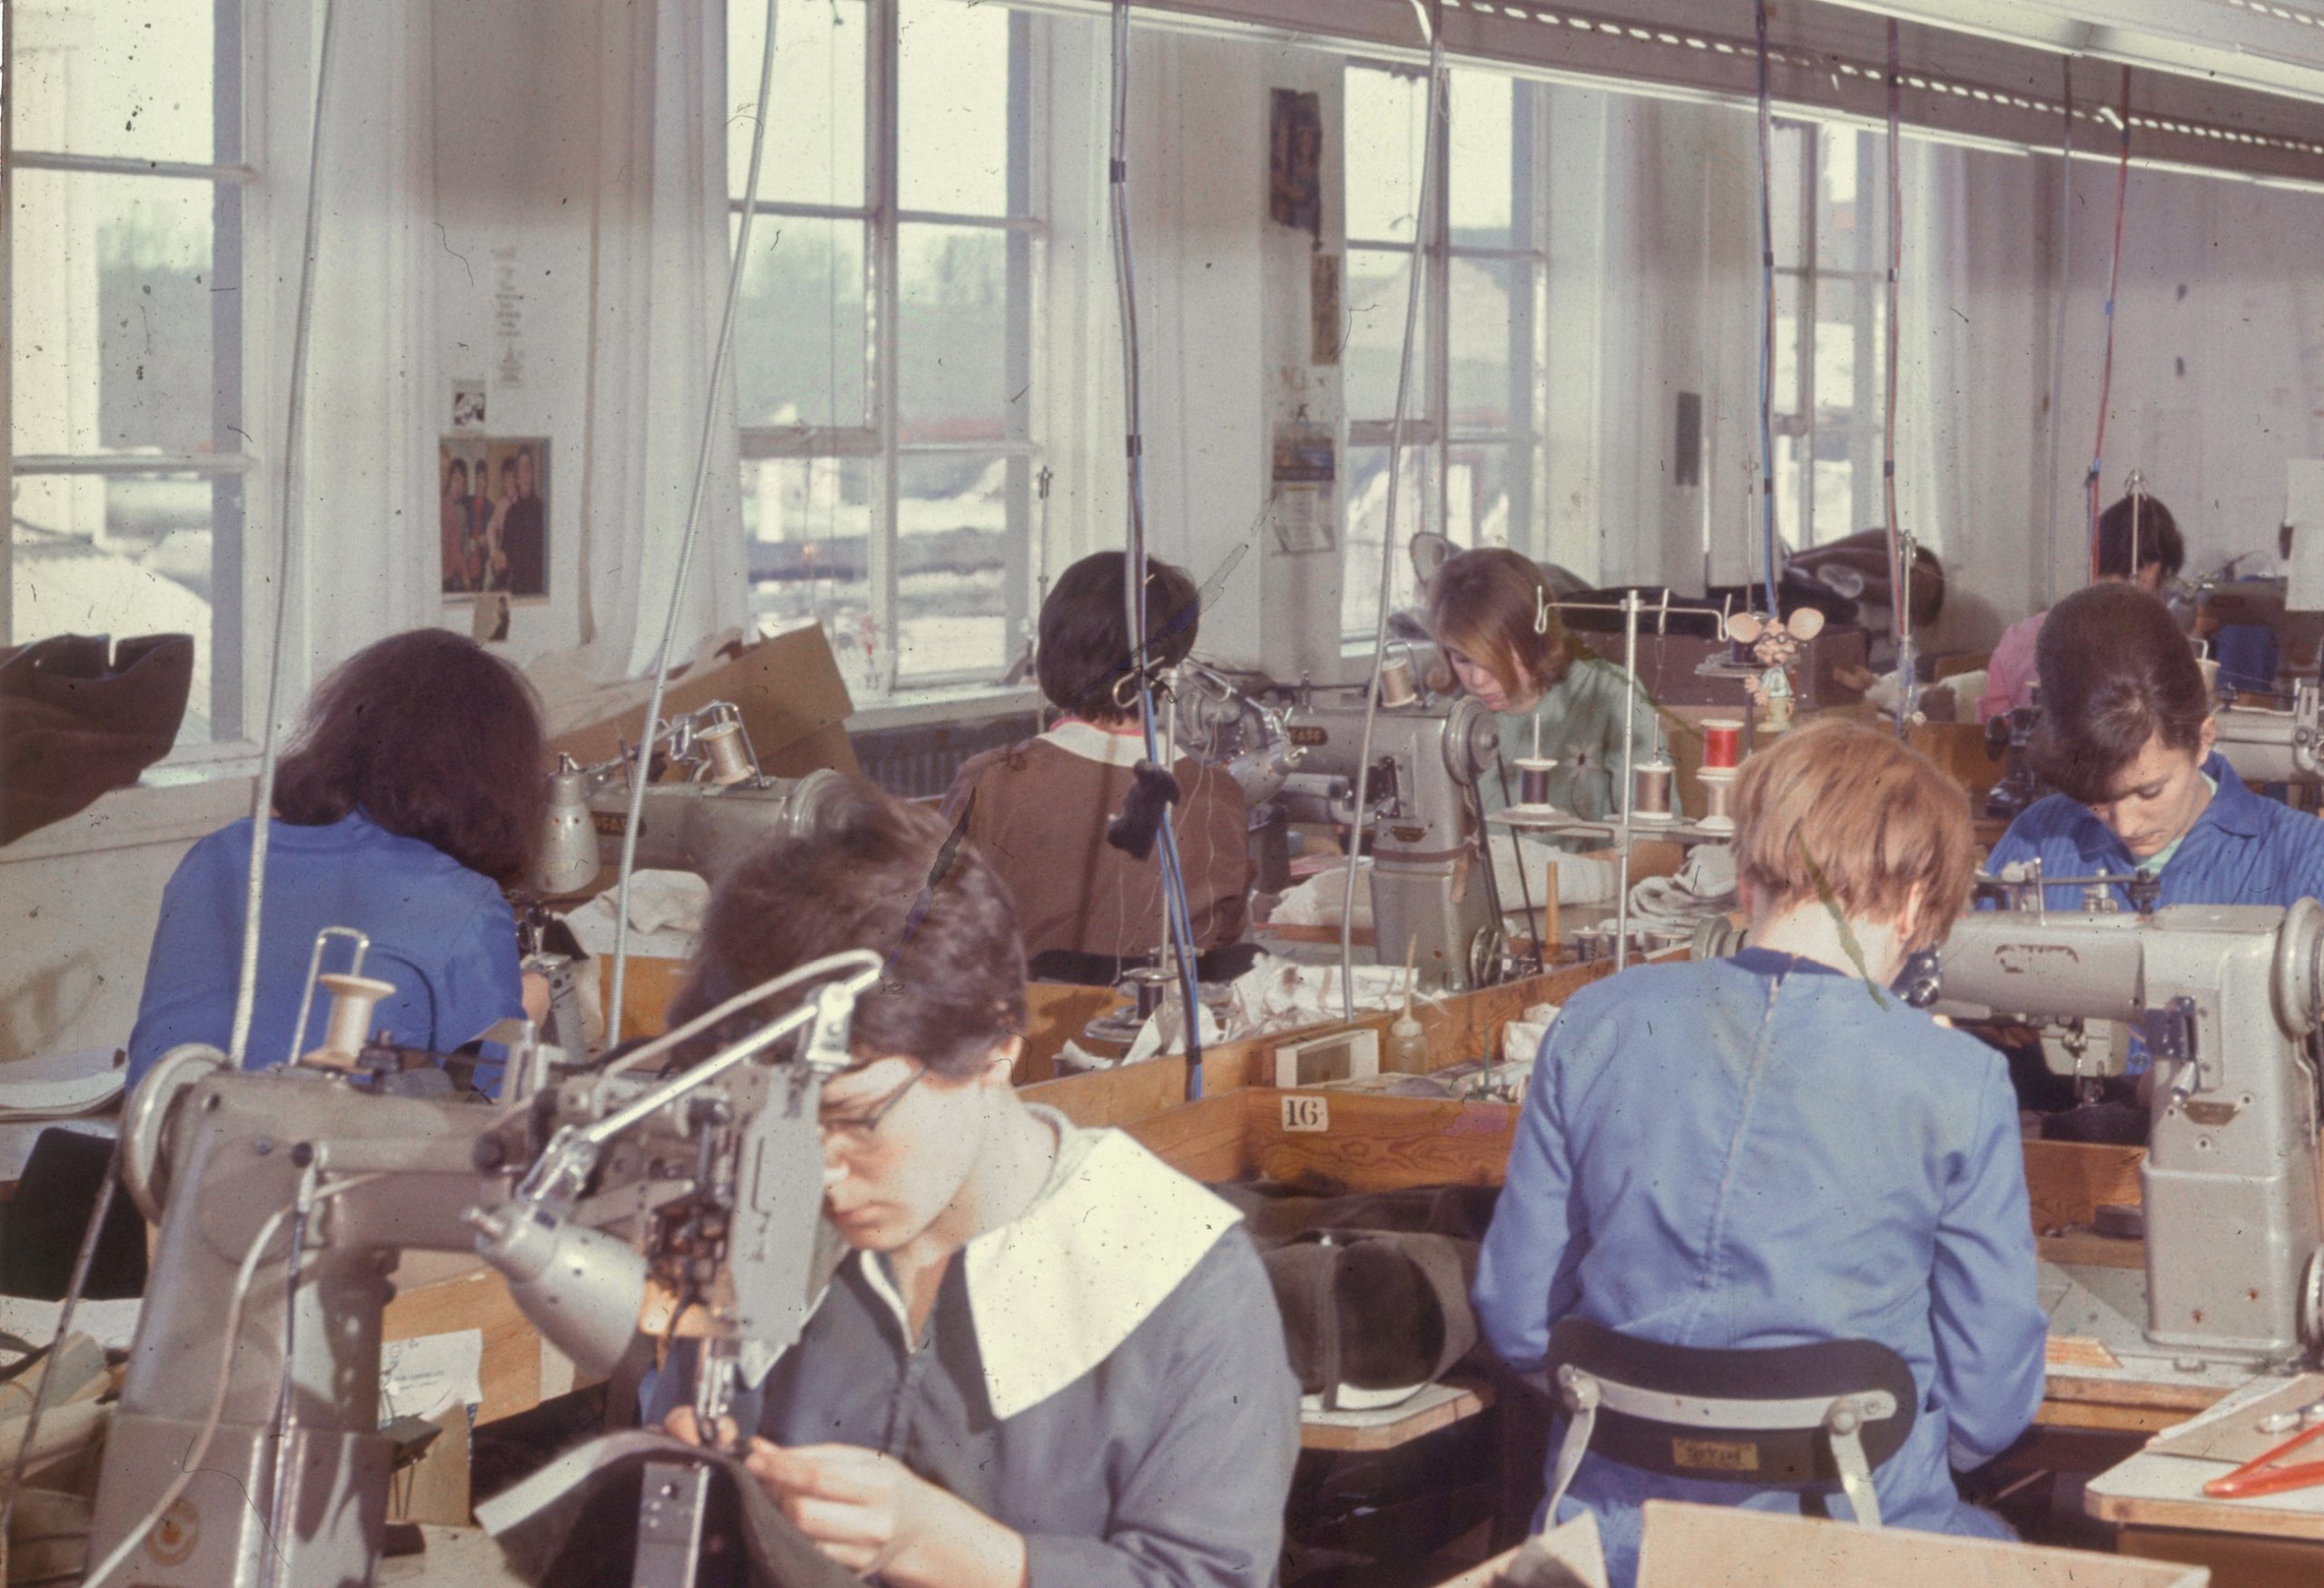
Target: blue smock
2243 849
441 933
1757 1152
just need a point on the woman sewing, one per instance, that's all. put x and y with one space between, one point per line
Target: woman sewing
1772 1149
2126 738
1049 1359
1038 810
1493 615
412 793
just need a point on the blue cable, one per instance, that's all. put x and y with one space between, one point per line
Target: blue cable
1766 325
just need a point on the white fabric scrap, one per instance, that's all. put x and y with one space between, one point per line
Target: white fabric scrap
1316 902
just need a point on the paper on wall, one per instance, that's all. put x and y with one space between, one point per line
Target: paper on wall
428 1376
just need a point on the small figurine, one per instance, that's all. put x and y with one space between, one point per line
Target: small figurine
1774 646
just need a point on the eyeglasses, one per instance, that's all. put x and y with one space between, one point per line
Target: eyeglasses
853 1132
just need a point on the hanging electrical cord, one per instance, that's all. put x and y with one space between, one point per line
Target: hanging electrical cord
1178 923
1433 130
1900 563
2065 300
640 772
286 522
1767 321
2091 486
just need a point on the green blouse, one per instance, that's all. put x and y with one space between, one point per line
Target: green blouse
1581 726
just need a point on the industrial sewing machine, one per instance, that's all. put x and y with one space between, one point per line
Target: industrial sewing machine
2271 744
1301 748
267 1466
722 810
2226 1002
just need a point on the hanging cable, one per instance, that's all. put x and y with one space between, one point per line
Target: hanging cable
1433 130
1900 568
1178 923
2058 337
1767 322
643 769
286 518
2113 285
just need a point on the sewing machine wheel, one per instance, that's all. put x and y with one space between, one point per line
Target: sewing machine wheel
147 1121
1484 956
2312 1300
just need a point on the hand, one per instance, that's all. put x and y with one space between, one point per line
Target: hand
535 996
873 1515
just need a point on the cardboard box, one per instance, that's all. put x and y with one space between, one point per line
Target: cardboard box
794 702
1687 1546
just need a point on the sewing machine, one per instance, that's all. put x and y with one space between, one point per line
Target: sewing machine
722 810
284 1197
2227 1001
1431 889
2269 745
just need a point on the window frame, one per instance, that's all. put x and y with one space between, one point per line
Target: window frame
1431 433
880 437
236 319
1809 420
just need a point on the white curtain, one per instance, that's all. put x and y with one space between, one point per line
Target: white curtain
660 255
365 521
1934 400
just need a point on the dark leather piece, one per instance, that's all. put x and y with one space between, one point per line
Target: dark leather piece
80 715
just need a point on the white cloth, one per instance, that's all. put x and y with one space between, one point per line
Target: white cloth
1703 887
1316 902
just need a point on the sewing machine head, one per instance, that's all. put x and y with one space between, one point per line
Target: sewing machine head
724 807
2268 744
2225 1003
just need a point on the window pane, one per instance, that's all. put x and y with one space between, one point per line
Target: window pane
1835 477
799 331
1377 291
952 134
1480 347
952 331
1386 128
1366 473
1482 154
814 146
112 301
1848 205
953 519
1476 495
126 556
123 77
1788 505
1836 354
1789 290
808 521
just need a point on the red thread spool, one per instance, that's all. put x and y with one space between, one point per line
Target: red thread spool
1722 742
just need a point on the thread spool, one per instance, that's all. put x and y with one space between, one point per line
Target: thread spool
1398 686
1650 791
1718 797
1533 780
1722 743
729 761
1148 985
349 1025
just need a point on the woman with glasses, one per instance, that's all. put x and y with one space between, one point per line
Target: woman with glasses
1049 1357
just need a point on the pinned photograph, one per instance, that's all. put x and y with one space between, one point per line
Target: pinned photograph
494 501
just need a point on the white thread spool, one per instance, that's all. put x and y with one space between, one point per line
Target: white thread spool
1650 799
729 762
1718 794
349 1025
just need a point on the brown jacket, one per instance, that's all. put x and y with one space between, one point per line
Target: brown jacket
1037 812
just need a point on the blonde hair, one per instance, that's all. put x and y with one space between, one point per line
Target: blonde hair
1841 812
1493 606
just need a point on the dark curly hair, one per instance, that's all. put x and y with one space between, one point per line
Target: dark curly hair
881 875
432 737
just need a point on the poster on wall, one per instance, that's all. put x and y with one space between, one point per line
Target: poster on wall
493 495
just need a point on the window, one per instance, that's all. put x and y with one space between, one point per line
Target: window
1476 351
1831 252
884 352
123 397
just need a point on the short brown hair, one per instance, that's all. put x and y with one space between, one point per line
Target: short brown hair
434 738
1483 604
1838 808
1085 645
2115 670
881 875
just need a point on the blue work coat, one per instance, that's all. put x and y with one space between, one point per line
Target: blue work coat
2242 850
1758 1152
